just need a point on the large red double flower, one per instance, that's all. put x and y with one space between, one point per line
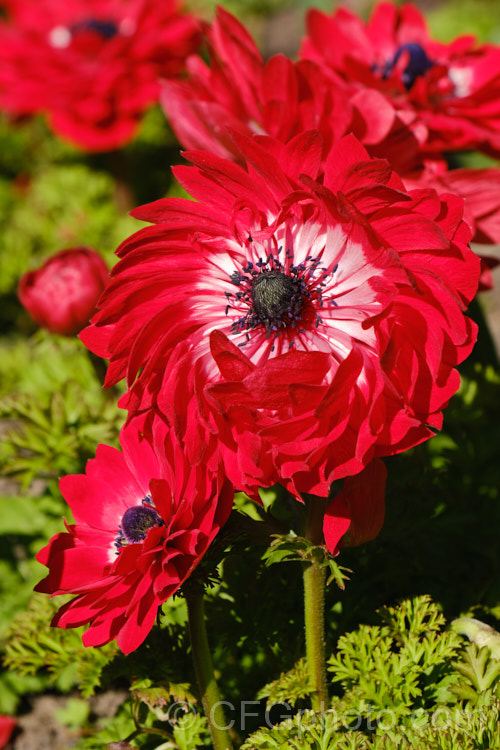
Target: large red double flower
317 324
91 65
144 519
453 88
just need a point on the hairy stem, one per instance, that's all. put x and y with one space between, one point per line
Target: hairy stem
205 677
314 609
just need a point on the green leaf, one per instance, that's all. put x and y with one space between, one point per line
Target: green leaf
289 688
190 731
480 670
32 646
292 548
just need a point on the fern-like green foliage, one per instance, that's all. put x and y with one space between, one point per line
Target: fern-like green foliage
43 363
158 697
305 731
459 728
479 666
111 733
64 206
55 431
154 716
178 714
480 673
290 687
190 731
56 437
401 666
407 683
35 651
32 646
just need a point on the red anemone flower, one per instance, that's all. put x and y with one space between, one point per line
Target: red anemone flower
144 518
237 90
321 322
91 65
453 88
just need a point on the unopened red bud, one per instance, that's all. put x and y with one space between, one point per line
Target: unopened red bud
62 294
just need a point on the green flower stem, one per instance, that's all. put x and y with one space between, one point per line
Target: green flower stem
314 609
205 677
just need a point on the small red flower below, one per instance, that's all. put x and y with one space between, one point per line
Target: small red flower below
144 518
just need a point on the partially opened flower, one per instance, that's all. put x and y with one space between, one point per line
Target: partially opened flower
453 88
356 514
62 294
91 65
144 518
322 322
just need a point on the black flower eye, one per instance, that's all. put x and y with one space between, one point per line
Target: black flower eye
418 63
105 28
136 522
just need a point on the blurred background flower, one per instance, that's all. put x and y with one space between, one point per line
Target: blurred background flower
62 295
91 65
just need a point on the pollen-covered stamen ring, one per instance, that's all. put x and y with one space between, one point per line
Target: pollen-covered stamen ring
136 522
276 298
279 295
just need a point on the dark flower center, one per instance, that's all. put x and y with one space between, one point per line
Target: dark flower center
418 64
276 298
278 295
136 522
105 28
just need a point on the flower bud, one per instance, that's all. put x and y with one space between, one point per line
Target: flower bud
356 515
62 295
